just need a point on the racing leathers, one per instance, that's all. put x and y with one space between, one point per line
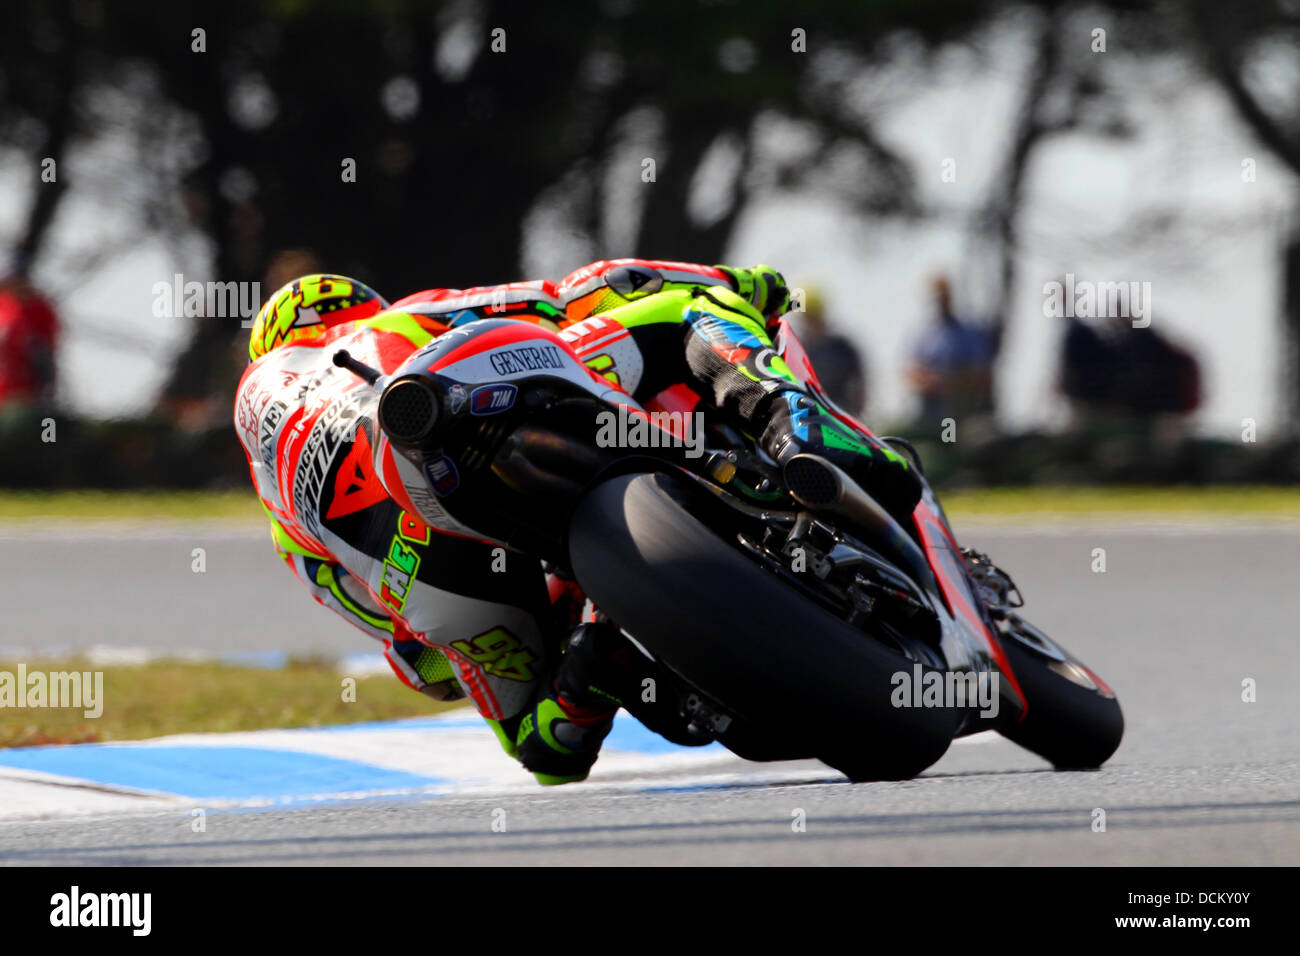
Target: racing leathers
650 325
457 616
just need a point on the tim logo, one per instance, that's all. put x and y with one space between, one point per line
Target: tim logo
491 399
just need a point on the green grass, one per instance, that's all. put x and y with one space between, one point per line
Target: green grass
130 505
1177 501
175 697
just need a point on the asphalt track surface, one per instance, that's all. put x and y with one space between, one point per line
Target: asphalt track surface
1180 617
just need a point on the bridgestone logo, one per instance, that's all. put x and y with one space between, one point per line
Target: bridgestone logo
529 358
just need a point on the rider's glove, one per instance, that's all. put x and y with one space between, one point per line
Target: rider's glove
762 286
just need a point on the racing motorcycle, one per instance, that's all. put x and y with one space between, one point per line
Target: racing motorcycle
795 616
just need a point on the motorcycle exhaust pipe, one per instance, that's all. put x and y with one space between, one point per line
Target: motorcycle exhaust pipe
408 408
822 486
408 411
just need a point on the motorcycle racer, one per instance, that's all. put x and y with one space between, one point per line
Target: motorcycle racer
726 317
650 324
450 623
454 618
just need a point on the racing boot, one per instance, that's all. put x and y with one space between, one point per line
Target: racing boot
559 739
797 423
994 586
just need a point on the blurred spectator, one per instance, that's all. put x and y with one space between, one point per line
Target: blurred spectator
837 361
1111 371
1088 364
1157 376
952 364
29 336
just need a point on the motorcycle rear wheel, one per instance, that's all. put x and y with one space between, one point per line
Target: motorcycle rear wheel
779 662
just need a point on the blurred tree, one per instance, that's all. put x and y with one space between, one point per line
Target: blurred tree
463 116
41 77
458 116
1236 40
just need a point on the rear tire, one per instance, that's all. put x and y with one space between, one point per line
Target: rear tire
780 663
